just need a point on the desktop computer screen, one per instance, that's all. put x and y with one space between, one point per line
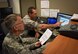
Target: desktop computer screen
64 18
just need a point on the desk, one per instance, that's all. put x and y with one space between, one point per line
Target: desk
62 45
73 22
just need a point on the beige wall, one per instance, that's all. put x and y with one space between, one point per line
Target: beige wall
15 4
38 7
25 4
3 4
65 6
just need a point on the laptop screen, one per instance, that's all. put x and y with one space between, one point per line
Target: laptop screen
64 18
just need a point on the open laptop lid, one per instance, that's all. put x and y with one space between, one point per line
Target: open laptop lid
64 18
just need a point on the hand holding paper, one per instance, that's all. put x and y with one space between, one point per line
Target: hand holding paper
47 34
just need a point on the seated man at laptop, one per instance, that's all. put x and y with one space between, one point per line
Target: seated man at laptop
31 19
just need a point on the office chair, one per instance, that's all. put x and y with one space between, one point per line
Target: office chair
5 30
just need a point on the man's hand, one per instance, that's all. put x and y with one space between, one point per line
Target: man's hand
43 26
37 35
57 24
37 44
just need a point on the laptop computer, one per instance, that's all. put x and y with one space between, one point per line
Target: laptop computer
64 18
67 30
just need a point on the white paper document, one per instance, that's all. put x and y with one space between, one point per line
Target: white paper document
47 34
45 12
53 12
45 4
75 16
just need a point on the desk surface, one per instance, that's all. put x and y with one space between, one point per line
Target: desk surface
73 22
62 45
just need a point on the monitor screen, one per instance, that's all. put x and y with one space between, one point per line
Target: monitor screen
52 20
64 21
64 18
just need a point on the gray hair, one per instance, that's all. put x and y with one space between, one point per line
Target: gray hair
10 20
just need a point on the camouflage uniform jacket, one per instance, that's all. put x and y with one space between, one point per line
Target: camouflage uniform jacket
27 20
18 45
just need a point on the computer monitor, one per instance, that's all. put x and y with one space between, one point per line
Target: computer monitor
51 20
64 18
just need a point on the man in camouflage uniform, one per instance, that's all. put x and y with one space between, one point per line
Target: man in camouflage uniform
14 43
32 19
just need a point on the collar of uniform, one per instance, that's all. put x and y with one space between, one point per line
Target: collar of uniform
17 38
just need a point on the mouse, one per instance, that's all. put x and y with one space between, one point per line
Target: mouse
73 27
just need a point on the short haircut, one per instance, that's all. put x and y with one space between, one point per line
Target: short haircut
30 10
10 21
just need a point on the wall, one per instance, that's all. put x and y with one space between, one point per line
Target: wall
25 4
65 6
38 7
15 4
3 4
